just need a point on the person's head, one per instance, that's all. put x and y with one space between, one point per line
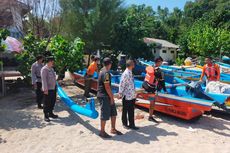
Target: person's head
130 64
50 61
92 57
158 61
208 60
96 59
39 58
107 63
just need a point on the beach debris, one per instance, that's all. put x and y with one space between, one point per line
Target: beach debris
139 116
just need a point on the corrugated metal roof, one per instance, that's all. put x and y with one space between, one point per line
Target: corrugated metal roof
163 43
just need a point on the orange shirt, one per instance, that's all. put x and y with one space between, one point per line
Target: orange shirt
212 72
92 68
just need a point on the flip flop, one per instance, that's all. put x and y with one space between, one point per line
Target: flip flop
151 119
105 135
116 132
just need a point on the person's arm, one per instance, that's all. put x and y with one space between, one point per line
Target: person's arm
202 75
33 74
218 72
108 87
44 74
122 85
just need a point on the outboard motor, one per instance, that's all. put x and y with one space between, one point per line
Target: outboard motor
195 89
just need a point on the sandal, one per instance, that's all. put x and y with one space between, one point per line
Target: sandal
105 135
116 132
151 119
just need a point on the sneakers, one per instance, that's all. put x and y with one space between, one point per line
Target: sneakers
151 119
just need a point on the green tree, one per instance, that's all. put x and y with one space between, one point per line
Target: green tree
136 23
68 55
90 20
205 40
33 46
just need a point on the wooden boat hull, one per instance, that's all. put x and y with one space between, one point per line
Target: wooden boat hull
80 79
176 106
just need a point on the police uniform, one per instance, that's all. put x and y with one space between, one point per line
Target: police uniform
48 77
107 110
36 80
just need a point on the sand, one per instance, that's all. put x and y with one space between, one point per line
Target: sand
22 130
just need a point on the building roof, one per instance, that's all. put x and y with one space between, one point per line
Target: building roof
163 43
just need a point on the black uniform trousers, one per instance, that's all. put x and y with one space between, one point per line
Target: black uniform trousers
39 93
128 111
49 102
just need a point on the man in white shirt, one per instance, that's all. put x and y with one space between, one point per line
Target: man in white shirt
128 94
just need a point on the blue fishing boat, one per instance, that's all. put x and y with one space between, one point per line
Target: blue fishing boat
187 73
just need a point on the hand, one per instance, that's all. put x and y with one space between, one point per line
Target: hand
119 96
46 92
112 101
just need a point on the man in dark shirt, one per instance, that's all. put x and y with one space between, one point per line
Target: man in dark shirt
106 99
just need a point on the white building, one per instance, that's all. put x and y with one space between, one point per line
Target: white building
168 51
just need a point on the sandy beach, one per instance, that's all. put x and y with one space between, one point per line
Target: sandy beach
22 130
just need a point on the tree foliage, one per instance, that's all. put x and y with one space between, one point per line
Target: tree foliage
33 46
3 35
68 55
136 23
204 40
90 20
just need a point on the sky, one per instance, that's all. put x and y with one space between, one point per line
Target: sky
163 3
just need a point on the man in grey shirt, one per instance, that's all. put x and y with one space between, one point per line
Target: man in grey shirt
49 88
36 79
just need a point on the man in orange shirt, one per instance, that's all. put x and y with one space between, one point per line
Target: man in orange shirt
210 70
89 75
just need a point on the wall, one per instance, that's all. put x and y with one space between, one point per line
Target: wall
166 56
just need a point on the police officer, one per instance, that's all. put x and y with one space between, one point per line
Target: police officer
36 79
106 99
48 77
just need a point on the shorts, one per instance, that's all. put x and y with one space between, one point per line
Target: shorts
107 110
148 87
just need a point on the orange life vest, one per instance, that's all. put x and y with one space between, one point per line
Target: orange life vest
149 78
211 72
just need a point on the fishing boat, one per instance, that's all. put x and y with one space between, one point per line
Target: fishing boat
79 78
89 110
179 101
189 73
